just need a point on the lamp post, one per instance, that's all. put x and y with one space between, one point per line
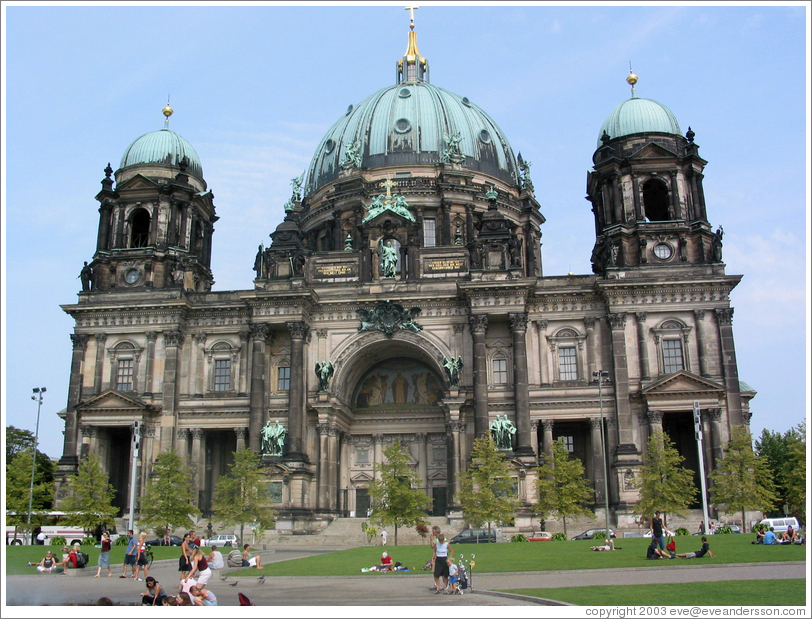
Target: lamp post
38 393
601 376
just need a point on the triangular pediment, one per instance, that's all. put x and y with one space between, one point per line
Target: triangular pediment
376 221
682 383
361 478
113 401
437 476
652 151
137 182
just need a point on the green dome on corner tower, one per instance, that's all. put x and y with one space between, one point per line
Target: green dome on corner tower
638 115
163 147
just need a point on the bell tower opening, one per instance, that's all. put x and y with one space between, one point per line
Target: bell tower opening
655 200
139 229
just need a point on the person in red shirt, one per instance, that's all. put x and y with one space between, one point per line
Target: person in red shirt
386 563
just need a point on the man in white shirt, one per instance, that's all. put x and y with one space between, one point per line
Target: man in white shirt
384 535
215 559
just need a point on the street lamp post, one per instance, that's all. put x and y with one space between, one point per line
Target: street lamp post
601 376
38 393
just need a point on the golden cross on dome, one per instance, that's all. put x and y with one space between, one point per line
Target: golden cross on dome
388 183
411 15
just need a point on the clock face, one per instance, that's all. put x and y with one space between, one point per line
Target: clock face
662 251
132 276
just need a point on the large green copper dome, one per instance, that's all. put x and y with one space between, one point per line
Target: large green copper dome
162 147
637 115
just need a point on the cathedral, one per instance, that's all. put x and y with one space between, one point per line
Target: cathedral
403 297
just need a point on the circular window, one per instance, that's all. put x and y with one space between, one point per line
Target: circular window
662 251
404 93
349 109
329 145
403 126
132 276
465 101
484 136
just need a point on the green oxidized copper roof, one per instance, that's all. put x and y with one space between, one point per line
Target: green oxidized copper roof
162 147
637 115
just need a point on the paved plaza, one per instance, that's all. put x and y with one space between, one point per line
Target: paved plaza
373 589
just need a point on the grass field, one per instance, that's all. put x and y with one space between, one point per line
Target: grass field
509 557
720 593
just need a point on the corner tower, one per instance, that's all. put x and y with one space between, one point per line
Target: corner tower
156 224
646 192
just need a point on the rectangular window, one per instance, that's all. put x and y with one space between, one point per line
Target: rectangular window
567 365
429 233
567 440
672 356
500 372
284 379
124 375
222 374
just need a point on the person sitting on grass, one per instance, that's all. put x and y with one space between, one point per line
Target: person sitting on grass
705 550
769 537
253 561
654 551
386 563
608 544
48 564
789 536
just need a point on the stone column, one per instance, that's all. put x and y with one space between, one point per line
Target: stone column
101 338
150 363
119 240
90 442
453 430
545 379
534 437
333 448
298 422
196 371
103 239
617 322
423 458
591 347
642 347
655 422
241 433
702 342
714 416
182 443
521 393
547 424
469 223
724 318
242 387
259 332
446 224
173 340
322 500
638 207
197 463
479 326
611 448
597 459
377 439
69 460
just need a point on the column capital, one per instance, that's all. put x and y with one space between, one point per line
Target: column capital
699 314
183 433
241 432
259 331
174 338
547 424
518 322
617 321
543 324
151 336
197 433
641 316
79 340
101 338
595 423
724 316
589 322
654 416
200 337
478 323
298 330
713 414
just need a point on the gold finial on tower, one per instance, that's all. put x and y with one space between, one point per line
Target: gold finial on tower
167 111
632 79
411 15
412 67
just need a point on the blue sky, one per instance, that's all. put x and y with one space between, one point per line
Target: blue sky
254 89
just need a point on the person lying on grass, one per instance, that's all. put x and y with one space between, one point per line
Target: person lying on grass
705 550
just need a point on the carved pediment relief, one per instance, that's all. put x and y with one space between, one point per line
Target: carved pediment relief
361 478
682 383
137 182
113 401
652 151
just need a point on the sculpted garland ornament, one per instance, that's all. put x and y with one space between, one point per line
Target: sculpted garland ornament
389 318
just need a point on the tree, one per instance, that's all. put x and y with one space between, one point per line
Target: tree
90 497
21 441
779 451
742 480
397 501
241 495
169 496
487 489
663 482
18 492
794 472
563 490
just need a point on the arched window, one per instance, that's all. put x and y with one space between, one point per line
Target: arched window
139 229
671 338
655 200
567 346
124 357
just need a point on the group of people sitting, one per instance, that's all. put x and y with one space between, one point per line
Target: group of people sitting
655 552
72 557
190 593
386 565
769 538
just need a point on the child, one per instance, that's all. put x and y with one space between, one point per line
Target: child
453 576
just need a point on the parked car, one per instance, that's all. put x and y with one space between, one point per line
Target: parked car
174 540
541 536
221 540
734 528
780 524
474 536
590 532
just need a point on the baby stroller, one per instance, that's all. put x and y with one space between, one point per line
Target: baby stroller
465 574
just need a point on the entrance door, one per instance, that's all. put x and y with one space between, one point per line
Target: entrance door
440 503
362 503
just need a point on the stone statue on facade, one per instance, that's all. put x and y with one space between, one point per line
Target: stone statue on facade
453 367
324 372
273 438
389 260
258 262
502 431
297 263
352 155
524 172
86 275
451 150
717 244
296 185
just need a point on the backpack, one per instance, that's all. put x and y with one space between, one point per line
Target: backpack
81 559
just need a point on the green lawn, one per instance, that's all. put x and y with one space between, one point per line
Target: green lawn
509 557
721 593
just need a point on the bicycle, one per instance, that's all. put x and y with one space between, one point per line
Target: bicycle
150 557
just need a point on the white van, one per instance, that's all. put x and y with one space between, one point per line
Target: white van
780 525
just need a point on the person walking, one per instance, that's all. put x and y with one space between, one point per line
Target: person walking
384 536
141 557
104 555
129 554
